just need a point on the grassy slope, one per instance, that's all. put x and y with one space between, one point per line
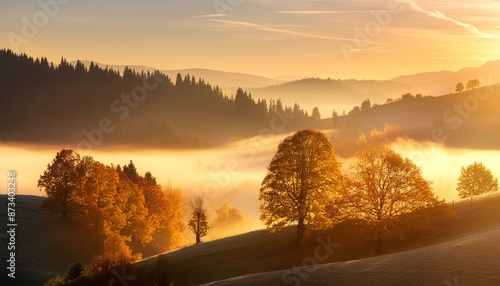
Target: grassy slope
46 245
261 251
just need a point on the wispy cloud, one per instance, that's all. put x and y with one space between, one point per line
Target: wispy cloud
439 15
210 16
315 12
282 31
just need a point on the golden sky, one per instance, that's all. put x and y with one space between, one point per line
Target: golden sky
339 39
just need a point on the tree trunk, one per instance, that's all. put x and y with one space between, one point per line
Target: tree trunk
301 228
198 240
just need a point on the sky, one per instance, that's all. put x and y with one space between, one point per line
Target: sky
339 39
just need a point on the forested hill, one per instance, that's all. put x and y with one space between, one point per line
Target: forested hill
72 104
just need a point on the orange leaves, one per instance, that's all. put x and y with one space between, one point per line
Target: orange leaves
384 189
300 183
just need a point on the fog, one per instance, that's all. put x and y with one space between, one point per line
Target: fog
234 172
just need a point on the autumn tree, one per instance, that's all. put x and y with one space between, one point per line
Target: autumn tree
60 181
476 179
99 199
383 190
199 221
175 225
134 212
228 219
459 87
301 181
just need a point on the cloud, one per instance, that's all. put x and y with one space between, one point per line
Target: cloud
210 16
439 15
282 31
314 12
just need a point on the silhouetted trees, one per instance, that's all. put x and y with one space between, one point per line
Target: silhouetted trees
365 105
301 179
476 179
315 114
459 87
472 84
69 103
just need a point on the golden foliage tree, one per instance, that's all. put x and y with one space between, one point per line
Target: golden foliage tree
198 222
98 198
476 179
227 216
116 254
174 224
131 202
228 220
300 183
383 191
60 181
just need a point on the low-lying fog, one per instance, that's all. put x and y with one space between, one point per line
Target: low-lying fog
234 172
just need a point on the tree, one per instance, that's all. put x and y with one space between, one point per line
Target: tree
476 179
473 83
174 224
315 114
198 222
300 183
60 182
383 191
365 105
407 96
355 110
228 217
459 87
74 272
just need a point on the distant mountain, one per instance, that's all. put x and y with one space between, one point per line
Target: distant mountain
330 94
443 82
228 81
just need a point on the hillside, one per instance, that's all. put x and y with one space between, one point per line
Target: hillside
470 260
46 245
330 94
443 82
469 119
466 248
228 81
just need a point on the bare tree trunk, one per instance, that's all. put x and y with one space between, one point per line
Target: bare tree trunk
301 228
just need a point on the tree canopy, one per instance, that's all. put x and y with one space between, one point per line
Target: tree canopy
476 179
118 207
383 189
301 182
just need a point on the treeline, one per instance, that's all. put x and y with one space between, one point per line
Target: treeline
125 214
71 104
